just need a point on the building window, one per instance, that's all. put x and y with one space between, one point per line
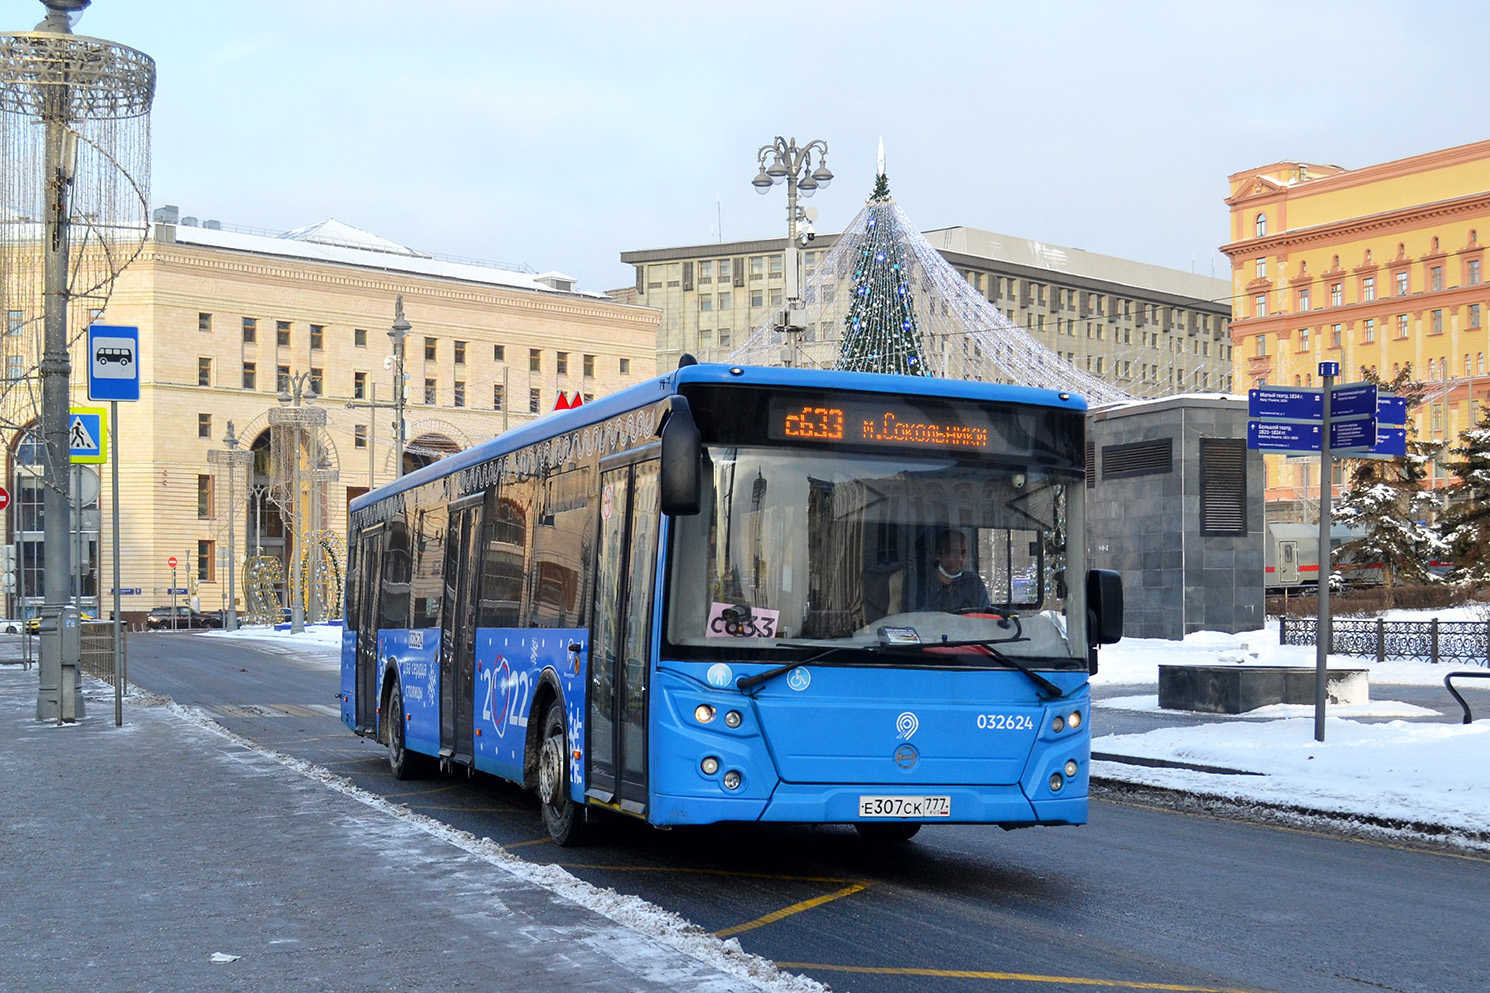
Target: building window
1336 333
1368 331
625 367
588 365
317 336
1401 325
724 270
431 351
561 363
757 298
1437 326
1262 346
1260 305
706 272
460 353
496 397
316 384
776 298
14 321
282 379
204 322
1435 278
776 267
359 385
204 372
1474 315
1368 289
429 391
204 496
1303 300
282 332
1262 225
250 330
1303 339
1402 284
1474 272
724 337
1262 269
359 436
725 303
757 267
534 401
1337 295
359 338
206 560
204 425
535 360
458 395
705 302
250 376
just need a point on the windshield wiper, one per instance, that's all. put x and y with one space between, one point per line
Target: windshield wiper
747 682
1048 689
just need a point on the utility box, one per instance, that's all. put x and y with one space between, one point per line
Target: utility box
61 649
1175 506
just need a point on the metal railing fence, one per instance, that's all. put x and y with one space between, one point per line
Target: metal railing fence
1423 641
98 650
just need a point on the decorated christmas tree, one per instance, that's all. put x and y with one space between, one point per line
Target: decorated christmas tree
880 332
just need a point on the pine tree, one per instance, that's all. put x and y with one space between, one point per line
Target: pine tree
1386 501
1464 524
880 332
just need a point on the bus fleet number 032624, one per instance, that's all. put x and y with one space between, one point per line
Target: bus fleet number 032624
1006 722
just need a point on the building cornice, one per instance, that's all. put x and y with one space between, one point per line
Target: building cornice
1354 227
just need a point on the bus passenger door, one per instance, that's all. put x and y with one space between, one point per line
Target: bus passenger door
458 629
369 585
621 635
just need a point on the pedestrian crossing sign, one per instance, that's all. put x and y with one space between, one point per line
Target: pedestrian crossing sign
87 435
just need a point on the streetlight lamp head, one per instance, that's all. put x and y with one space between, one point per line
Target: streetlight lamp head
807 186
285 397
822 175
778 170
762 182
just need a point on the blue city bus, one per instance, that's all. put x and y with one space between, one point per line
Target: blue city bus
734 594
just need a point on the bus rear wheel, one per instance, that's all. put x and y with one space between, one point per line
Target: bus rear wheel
564 818
404 763
889 832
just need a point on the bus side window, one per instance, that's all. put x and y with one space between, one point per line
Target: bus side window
393 597
503 566
427 582
563 550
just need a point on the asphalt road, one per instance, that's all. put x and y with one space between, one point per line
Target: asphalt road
1140 898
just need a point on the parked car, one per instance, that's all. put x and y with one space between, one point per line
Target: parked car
179 619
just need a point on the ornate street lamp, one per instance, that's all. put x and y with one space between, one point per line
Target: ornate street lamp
794 166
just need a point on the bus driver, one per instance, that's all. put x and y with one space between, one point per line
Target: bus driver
951 587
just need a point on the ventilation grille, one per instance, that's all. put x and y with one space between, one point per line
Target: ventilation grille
1142 458
1223 486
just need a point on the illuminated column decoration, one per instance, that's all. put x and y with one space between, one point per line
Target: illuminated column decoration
880 331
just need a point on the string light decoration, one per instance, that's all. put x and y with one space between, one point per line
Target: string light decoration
320 564
263 579
880 331
958 333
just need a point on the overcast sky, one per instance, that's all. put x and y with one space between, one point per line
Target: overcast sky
561 134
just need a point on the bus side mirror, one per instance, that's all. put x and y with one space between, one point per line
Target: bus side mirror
1104 606
681 450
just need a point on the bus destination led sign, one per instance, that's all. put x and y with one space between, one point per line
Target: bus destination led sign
867 423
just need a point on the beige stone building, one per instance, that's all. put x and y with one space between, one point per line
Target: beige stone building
1150 330
230 319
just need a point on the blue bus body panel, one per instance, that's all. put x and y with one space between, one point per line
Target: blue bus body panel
416 655
509 665
813 740
349 678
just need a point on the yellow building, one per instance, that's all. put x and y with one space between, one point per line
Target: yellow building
229 320
1379 267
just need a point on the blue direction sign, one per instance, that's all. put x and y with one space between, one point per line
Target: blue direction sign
1358 435
113 362
1283 436
1390 441
128 591
1391 410
1298 403
178 590
1354 400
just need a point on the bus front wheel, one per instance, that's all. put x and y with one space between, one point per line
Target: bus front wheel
563 817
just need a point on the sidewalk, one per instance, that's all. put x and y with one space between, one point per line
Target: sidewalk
164 855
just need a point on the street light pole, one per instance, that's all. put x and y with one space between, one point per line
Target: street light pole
291 414
230 461
795 166
398 334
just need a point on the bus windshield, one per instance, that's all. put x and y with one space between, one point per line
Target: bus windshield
807 550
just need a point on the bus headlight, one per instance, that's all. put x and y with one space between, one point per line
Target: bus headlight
703 713
1058 725
733 719
1074 720
1071 768
732 780
1056 782
710 765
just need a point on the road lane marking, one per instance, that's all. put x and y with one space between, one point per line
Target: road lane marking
704 872
1013 977
795 908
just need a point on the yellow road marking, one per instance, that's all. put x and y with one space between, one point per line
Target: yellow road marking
524 844
795 908
1014 977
